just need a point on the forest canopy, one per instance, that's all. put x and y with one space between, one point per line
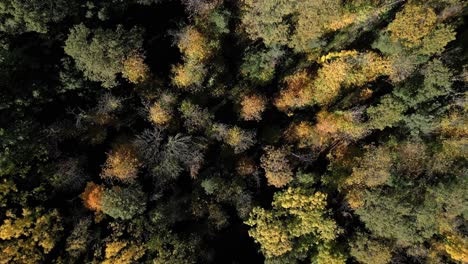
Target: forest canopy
250 131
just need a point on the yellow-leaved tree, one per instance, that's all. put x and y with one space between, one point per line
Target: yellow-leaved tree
298 223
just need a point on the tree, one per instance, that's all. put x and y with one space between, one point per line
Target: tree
246 166
123 252
369 250
303 133
394 216
135 69
373 168
18 16
161 112
197 50
436 42
329 16
92 196
122 164
296 94
339 125
167 247
456 248
169 159
78 241
259 66
270 233
201 7
240 140
28 237
266 20
269 21
252 107
68 176
195 118
101 54
386 114
437 82
412 159
297 223
123 202
278 171
328 253
412 24
180 153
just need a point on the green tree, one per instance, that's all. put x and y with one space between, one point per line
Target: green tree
195 117
388 113
396 216
18 16
369 250
271 22
78 241
101 53
123 202
259 66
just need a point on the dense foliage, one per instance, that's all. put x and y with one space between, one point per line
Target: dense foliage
250 131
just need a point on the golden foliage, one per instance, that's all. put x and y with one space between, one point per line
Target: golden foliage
338 125
330 77
188 74
121 164
92 196
457 247
122 252
270 234
277 169
355 198
303 133
343 21
299 131
28 237
365 94
135 69
196 50
455 125
113 248
347 69
193 44
412 24
252 107
308 215
296 94
159 114
368 69
339 54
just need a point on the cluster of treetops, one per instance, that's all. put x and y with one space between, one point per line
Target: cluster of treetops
144 131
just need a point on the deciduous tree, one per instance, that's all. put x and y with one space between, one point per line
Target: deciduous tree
101 53
122 164
123 202
277 168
